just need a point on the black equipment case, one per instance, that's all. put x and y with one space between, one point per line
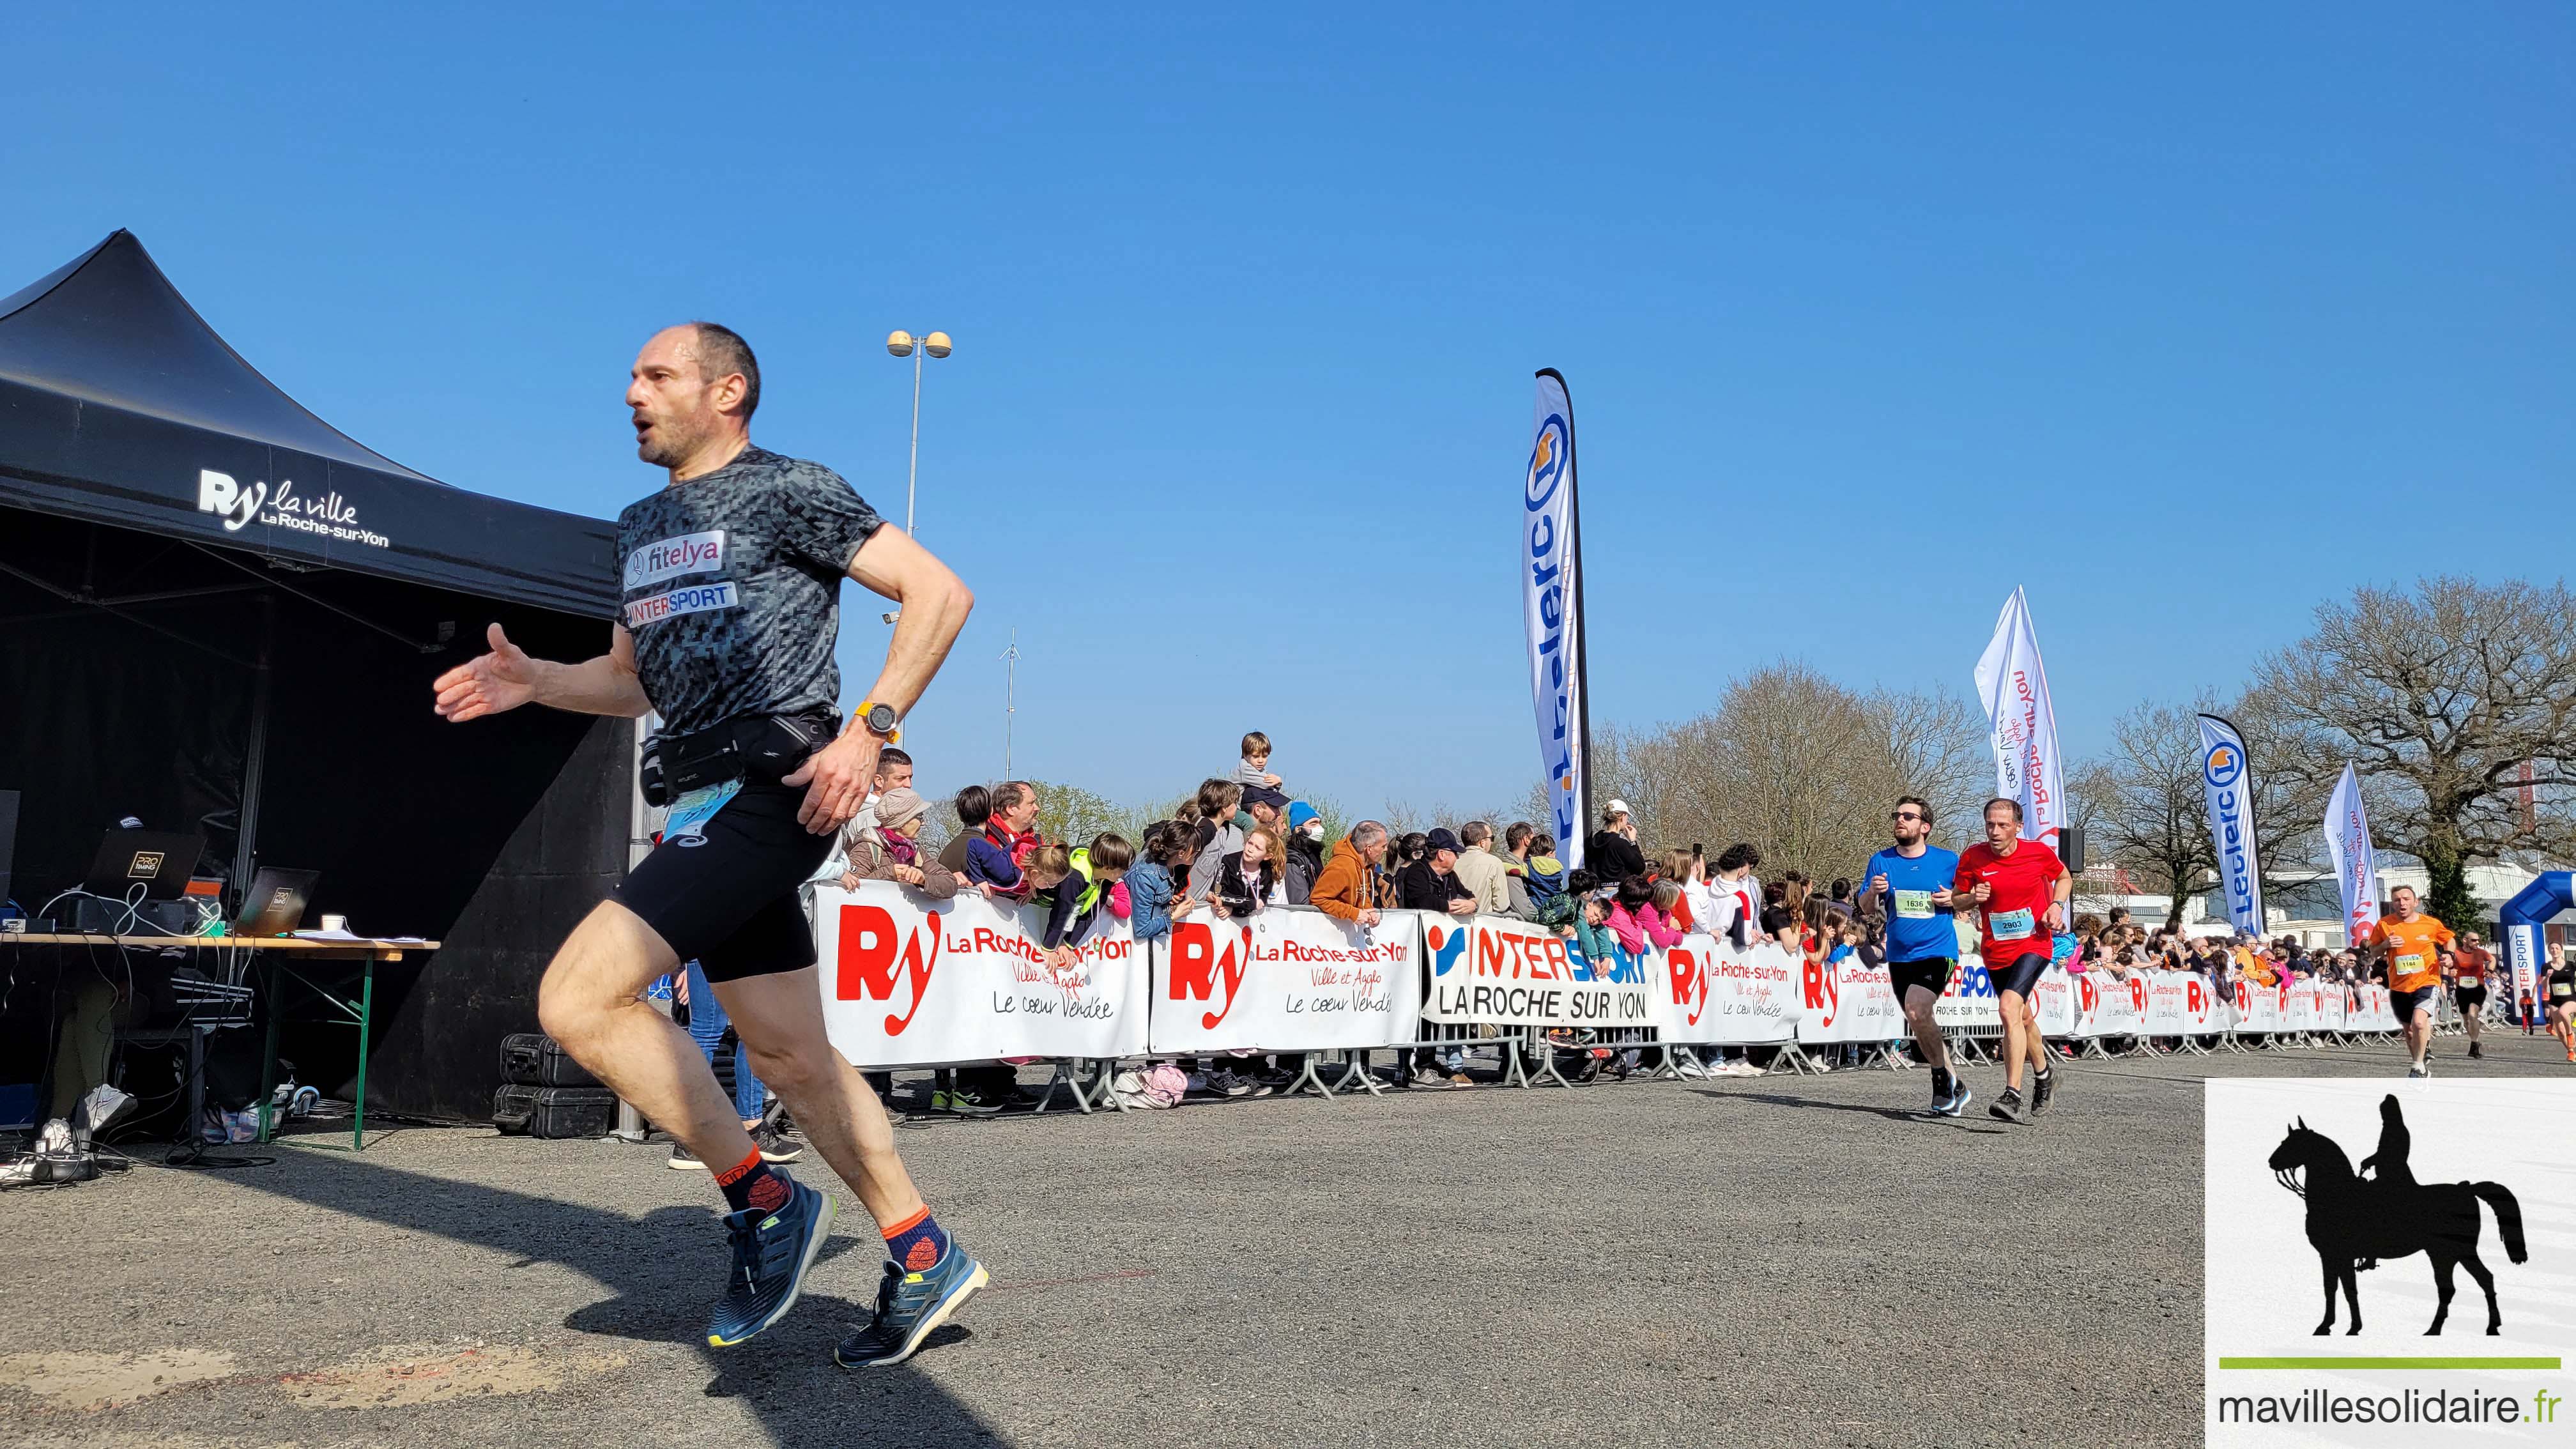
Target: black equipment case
534 1059
522 1110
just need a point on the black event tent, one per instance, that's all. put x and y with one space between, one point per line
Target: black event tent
220 614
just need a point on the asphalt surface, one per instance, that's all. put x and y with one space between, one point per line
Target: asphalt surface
1765 1262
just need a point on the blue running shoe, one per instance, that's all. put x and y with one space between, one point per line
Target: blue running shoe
909 1306
1956 1102
771 1252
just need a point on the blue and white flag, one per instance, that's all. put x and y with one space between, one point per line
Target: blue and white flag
2356 869
1551 563
2229 786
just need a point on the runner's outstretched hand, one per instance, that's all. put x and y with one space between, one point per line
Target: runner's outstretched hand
503 679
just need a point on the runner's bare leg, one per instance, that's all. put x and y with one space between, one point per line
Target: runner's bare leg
1927 1032
2017 1035
591 1002
780 1017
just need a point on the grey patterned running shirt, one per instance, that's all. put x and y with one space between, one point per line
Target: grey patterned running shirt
733 589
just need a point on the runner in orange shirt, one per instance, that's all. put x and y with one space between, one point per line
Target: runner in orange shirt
2408 941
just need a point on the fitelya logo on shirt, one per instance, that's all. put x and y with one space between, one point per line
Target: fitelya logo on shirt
671 558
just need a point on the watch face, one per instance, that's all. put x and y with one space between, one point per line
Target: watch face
881 719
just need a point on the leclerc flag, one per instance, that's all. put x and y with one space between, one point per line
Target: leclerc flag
2229 788
2356 868
1551 562
2014 686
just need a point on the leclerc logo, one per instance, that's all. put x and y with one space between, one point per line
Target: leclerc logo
2223 765
1447 945
1199 963
1548 552
870 968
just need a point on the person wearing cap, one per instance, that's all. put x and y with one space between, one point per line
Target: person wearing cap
1305 852
1431 883
1612 852
886 850
1485 875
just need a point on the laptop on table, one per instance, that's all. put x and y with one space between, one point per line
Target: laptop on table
275 902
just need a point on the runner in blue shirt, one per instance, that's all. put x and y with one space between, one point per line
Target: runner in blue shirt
1910 881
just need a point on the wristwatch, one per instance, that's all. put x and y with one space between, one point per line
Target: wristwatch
880 720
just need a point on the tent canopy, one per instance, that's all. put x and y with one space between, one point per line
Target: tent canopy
119 405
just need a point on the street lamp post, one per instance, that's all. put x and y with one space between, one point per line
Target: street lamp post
902 344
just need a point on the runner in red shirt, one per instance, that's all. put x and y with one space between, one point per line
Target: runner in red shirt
2020 888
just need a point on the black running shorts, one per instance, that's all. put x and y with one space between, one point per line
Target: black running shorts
2470 998
1932 973
728 899
2404 1004
2020 976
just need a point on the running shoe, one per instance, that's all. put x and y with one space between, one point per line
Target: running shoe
909 1307
2042 1086
683 1160
1461 1079
773 1146
2008 1107
1425 1077
1955 1103
962 1103
2477 1052
2418 1069
771 1252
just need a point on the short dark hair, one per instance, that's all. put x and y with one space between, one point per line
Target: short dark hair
1474 833
2007 802
974 807
1110 851
1010 792
721 354
1738 856
1518 835
891 756
1921 806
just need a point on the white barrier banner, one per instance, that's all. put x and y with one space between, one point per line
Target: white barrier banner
1847 1002
1682 1007
2200 1005
1970 1000
2056 1001
2379 1013
2330 1006
1287 979
909 981
2258 1008
1513 973
2167 1010
1753 994
2299 1005
2119 1004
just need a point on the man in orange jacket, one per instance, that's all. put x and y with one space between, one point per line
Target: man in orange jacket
1348 889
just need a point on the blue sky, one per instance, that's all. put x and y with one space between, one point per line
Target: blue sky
2183 320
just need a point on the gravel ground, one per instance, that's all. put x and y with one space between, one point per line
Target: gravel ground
1765 1262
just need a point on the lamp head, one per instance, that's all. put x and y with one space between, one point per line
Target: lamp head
899 342
937 344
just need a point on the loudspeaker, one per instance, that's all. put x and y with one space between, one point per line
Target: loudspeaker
2070 848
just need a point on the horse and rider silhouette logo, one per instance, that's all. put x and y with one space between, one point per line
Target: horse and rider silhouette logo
2355 1221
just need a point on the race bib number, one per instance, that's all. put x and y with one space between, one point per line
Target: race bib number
691 812
2010 925
1914 905
2409 965
2472 980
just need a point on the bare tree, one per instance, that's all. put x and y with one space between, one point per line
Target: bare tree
2442 696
